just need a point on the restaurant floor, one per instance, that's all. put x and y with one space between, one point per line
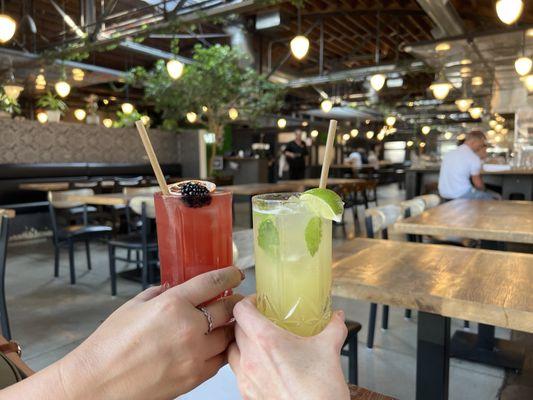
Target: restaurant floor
50 317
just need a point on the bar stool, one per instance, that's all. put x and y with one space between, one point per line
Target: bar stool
379 219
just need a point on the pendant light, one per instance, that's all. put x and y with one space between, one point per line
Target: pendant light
523 64
80 114
410 143
299 44
11 88
108 122
40 81
191 117
464 103
354 132
78 74
441 87
62 87
8 26
282 123
377 81
145 119
175 68
509 10
477 81
390 120
475 112
528 81
233 113
326 105
127 108
426 129
42 117
314 133
370 134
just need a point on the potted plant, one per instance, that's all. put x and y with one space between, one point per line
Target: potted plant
53 106
8 106
217 87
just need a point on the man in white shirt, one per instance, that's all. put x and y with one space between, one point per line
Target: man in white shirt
460 170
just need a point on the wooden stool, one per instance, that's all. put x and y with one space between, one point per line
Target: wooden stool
349 349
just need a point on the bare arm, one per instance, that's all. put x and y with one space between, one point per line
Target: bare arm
477 181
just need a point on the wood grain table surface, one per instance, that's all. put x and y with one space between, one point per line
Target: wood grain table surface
7 212
486 286
504 221
359 393
58 186
103 199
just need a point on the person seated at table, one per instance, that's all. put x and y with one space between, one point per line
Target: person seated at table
295 152
162 344
355 159
460 171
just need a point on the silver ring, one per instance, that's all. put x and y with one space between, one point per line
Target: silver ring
209 318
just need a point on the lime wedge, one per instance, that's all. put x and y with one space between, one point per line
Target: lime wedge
324 202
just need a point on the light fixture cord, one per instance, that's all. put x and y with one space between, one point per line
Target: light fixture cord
299 17
523 43
378 33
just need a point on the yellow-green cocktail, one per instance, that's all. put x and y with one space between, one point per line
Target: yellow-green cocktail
292 243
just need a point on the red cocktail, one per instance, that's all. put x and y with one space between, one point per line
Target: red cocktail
194 234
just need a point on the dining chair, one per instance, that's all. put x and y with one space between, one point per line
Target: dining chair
66 235
142 238
4 318
378 220
371 192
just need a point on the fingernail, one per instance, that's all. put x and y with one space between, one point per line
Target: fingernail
242 274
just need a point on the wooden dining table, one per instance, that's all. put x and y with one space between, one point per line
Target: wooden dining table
442 282
494 223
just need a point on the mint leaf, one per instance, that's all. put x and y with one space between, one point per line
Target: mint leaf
268 237
313 235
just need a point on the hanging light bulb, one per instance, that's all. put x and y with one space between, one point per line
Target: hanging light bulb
498 128
441 87
62 88
127 108
464 104
42 117
204 108
381 136
475 112
175 69
369 134
79 114
422 144
233 113
326 105
426 129
410 143
40 82
509 10
299 46
377 81
523 65
492 123
105 101
477 81
441 47
314 133
282 123
491 133
390 120
448 135
354 132
191 117
13 90
108 122
504 131
346 137
78 74
8 26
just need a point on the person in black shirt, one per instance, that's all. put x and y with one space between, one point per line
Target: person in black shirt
295 153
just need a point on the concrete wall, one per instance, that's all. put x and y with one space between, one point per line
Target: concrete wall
32 142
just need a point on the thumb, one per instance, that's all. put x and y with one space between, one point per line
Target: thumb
335 332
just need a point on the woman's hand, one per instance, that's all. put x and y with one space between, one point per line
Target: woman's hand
272 363
153 347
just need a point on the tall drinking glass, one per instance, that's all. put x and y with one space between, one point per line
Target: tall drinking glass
193 239
292 263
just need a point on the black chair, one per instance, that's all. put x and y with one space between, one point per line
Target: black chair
4 319
67 235
118 212
349 348
379 219
371 192
141 240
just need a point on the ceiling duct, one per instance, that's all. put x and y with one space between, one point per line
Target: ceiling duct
241 40
444 16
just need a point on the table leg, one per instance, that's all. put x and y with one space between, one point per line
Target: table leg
432 357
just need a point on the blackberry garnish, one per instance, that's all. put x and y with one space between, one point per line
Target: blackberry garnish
195 195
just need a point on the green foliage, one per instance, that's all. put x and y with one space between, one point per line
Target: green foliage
219 80
126 120
9 105
50 101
